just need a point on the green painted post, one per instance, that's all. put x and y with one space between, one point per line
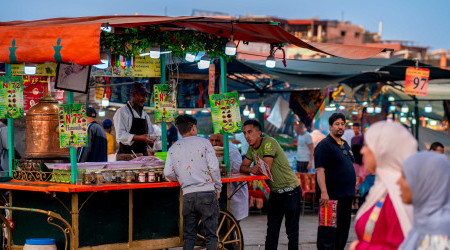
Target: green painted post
223 89
163 81
11 148
73 151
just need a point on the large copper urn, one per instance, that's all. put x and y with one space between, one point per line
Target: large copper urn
42 134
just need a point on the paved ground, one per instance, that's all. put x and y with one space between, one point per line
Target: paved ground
254 228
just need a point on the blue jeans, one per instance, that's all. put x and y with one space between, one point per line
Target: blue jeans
204 206
283 205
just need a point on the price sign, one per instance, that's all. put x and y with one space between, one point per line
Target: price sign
11 97
416 81
225 113
73 125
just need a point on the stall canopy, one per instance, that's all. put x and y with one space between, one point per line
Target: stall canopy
326 72
77 39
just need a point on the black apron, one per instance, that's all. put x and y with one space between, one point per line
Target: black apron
138 127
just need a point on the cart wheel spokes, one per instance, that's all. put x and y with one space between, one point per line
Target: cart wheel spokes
229 233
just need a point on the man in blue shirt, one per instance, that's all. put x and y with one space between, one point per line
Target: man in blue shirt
336 180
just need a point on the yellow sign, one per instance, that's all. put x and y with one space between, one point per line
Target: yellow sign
45 69
144 66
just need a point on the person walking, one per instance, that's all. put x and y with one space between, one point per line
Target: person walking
384 220
336 180
425 184
285 191
305 148
193 163
97 143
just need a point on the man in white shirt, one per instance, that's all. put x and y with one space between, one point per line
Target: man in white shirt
133 125
305 148
239 201
349 133
193 163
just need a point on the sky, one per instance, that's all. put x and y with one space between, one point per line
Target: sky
422 22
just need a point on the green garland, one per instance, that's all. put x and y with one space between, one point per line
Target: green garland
133 42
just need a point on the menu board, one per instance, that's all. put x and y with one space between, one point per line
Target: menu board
44 69
225 113
11 97
165 103
72 125
141 66
33 90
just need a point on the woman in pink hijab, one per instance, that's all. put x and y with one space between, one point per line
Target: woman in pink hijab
384 220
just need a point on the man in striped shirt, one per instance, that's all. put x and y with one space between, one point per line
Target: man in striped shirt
285 192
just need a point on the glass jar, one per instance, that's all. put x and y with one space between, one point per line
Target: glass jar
129 176
151 176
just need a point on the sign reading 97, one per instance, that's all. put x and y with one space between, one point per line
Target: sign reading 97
416 81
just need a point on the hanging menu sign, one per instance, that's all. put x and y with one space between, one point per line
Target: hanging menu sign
11 97
416 81
141 66
165 103
44 69
225 113
33 90
72 125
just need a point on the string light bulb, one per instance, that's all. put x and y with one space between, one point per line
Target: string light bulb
204 62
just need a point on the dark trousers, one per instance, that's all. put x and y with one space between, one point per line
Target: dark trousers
331 238
204 206
283 205
302 166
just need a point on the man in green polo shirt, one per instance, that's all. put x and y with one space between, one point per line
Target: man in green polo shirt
285 192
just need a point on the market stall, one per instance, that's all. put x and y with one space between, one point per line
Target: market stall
91 211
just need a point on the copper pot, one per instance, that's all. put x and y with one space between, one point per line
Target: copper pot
42 133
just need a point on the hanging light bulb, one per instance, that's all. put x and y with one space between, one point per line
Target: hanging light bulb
365 103
188 112
251 115
242 97
246 112
405 108
428 108
391 98
105 101
377 110
355 112
341 107
30 69
204 62
370 110
413 121
190 57
403 119
101 112
270 62
230 48
392 108
433 122
262 108
330 108
155 52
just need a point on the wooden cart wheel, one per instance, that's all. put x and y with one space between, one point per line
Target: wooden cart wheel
228 231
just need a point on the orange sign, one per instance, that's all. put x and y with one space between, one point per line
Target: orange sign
416 81
79 44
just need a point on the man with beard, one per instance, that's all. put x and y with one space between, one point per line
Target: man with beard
132 124
285 191
336 180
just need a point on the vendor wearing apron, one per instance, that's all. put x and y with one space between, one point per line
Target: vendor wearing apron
133 125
